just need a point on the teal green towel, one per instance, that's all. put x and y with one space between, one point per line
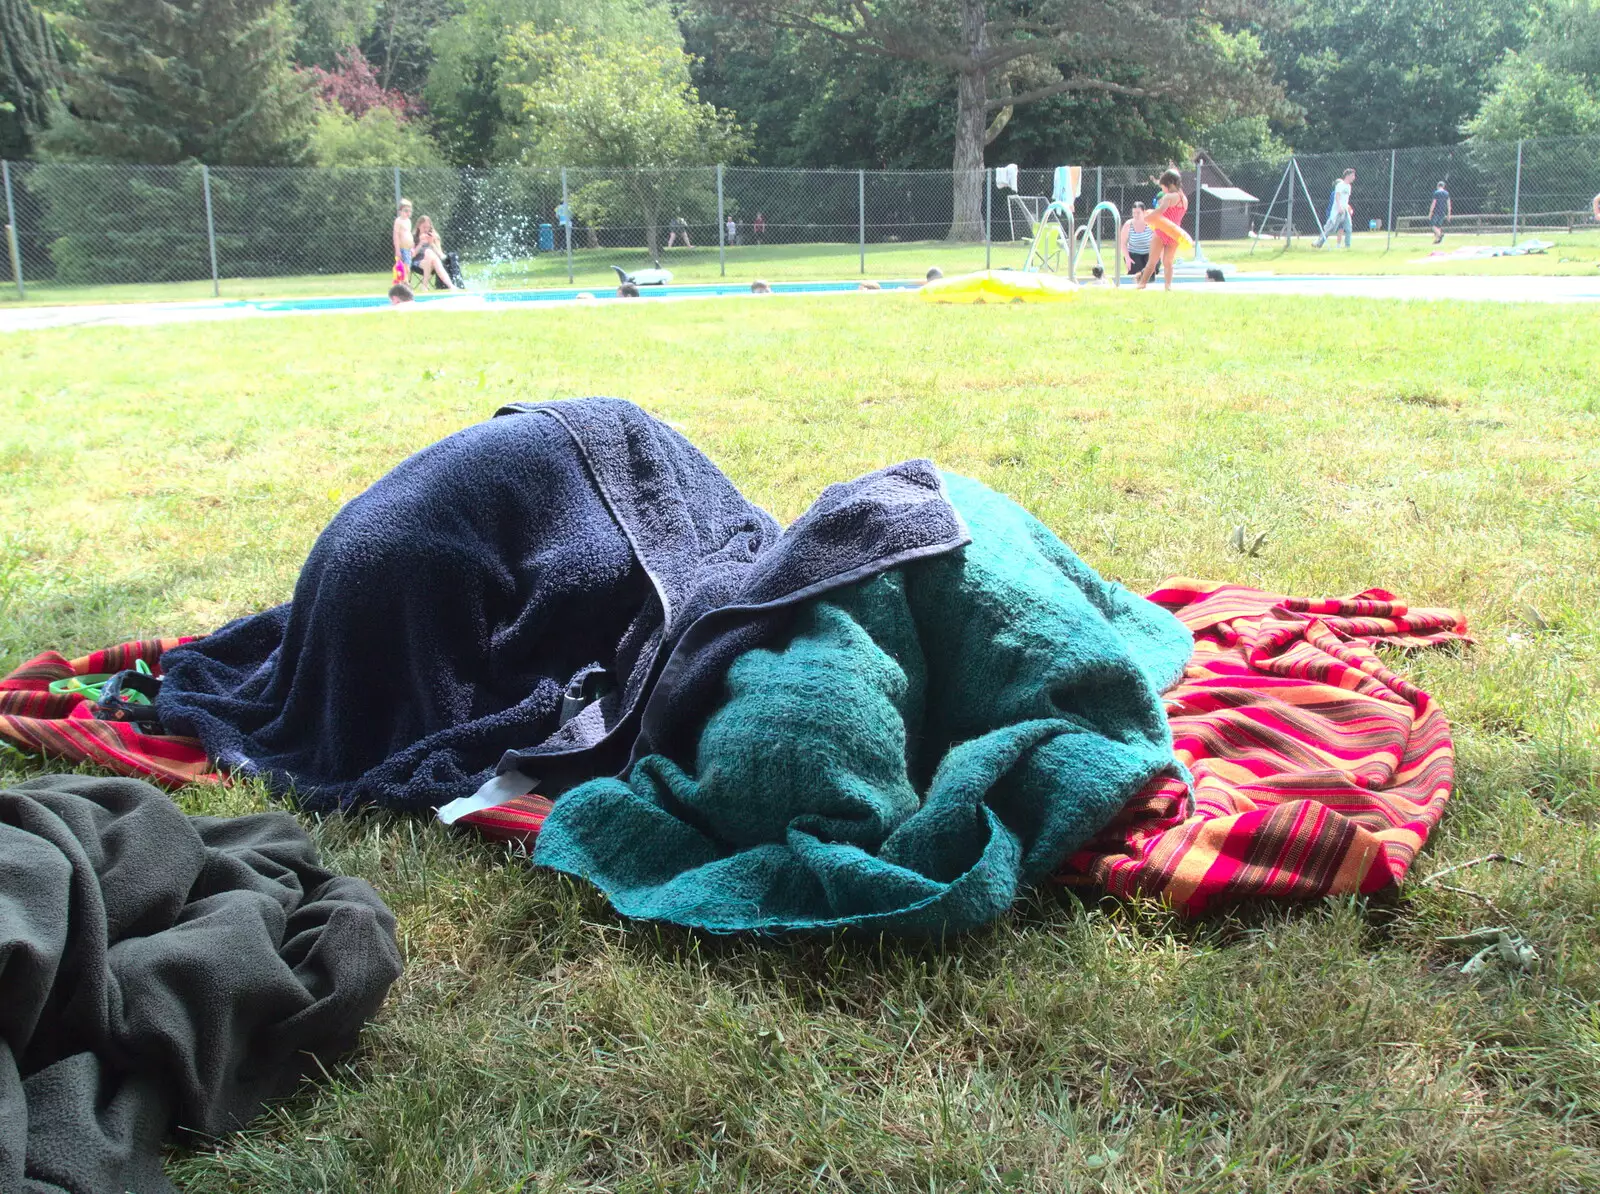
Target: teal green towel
923 745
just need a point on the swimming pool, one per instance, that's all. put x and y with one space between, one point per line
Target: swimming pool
563 294
1467 287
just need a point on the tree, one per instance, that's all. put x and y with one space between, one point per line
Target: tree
595 205
379 137
813 103
616 104
1552 89
1243 139
1007 53
1533 99
168 81
464 88
326 29
1373 74
30 76
353 87
401 41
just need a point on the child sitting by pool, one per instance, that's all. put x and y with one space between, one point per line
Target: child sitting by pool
1172 206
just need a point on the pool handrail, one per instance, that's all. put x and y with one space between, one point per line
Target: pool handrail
1090 231
1063 215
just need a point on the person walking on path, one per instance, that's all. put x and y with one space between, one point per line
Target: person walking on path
1439 211
680 227
1340 214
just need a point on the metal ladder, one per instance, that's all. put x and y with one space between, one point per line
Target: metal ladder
1089 234
1047 254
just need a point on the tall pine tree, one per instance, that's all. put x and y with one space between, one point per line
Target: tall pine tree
30 76
169 81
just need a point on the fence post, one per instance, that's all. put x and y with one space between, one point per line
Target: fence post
13 236
861 214
1516 197
397 195
567 223
1288 230
1099 185
211 230
1389 224
1199 175
722 226
988 208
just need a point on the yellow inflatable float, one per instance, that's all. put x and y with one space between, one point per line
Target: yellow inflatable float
998 286
1170 230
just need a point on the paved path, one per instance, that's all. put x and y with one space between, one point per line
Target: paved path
1471 288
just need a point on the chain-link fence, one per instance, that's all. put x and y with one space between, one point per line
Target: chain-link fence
124 231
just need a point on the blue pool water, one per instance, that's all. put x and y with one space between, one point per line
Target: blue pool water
1481 288
563 294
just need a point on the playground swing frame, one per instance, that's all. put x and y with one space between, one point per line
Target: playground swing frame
1285 189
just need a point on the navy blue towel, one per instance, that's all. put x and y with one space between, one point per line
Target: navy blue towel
441 615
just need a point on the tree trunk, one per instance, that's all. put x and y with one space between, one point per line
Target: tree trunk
972 94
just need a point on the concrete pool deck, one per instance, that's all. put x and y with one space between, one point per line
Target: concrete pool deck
1468 288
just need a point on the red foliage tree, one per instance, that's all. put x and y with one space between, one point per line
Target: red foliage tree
353 85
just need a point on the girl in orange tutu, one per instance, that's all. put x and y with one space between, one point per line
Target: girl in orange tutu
1167 223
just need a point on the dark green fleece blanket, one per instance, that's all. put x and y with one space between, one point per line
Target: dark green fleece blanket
923 745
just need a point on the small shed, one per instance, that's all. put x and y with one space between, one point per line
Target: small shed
1225 211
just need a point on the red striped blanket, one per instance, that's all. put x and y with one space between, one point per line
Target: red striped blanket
62 725
1316 770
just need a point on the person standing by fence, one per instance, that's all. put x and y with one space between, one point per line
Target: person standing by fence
404 243
1340 213
759 227
1439 211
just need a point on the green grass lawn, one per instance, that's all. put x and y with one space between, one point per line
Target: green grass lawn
1578 254
156 480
